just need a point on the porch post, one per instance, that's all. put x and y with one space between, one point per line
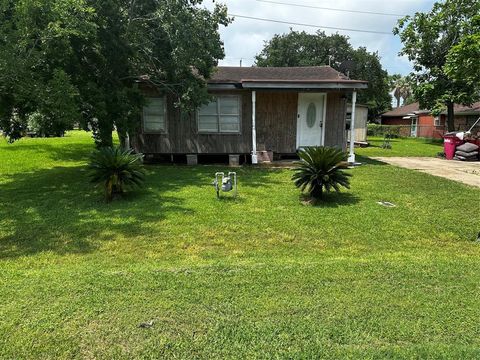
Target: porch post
254 130
351 156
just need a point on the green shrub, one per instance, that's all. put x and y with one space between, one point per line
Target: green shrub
46 126
115 169
321 169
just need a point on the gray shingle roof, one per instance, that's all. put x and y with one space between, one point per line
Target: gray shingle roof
320 74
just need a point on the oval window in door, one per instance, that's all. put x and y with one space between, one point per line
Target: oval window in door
311 115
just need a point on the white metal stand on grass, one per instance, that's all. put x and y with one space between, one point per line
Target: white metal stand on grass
225 183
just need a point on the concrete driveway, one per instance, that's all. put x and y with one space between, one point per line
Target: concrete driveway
464 172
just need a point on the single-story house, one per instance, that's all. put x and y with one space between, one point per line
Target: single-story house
421 123
361 119
259 112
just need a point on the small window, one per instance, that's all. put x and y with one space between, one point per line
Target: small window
436 121
311 115
221 115
154 115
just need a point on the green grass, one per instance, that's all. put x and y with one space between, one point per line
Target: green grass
260 277
402 147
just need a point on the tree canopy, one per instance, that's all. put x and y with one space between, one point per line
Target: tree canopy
65 61
303 49
36 46
443 45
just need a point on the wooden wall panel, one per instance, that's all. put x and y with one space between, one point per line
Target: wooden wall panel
182 136
335 124
277 121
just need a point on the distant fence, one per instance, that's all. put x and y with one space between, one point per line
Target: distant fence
405 131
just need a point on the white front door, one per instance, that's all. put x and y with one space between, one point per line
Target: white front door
310 120
414 126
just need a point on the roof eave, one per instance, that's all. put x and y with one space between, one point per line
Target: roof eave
393 115
305 85
224 86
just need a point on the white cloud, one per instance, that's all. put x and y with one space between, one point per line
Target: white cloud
245 38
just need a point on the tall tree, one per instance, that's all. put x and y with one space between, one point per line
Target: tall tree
463 60
36 43
173 44
430 40
303 49
401 87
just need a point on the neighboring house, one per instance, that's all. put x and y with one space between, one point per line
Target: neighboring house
261 112
361 119
421 123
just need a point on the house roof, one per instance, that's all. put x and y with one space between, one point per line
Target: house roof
283 77
466 110
403 110
415 109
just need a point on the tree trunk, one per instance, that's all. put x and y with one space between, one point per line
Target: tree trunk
398 102
102 134
450 117
123 139
127 141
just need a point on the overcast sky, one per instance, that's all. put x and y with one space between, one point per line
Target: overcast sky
244 38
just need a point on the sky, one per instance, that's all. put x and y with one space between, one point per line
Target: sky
245 38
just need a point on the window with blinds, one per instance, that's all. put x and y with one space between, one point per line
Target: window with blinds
221 115
154 115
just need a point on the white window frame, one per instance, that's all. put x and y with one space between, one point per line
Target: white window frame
162 131
218 115
437 121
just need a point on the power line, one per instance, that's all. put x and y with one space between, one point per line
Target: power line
311 25
331 9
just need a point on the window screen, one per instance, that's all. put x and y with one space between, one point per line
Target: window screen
154 115
221 115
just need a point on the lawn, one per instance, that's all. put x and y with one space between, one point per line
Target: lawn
263 276
403 147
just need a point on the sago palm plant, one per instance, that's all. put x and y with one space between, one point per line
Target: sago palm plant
115 169
321 169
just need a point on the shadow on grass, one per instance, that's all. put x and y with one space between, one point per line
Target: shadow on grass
246 175
332 200
58 210
365 160
72 152
432 141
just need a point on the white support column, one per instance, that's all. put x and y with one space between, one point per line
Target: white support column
254 129
351 156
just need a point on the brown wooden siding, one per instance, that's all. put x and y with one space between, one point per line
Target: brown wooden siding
277 121
182 136
335 124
